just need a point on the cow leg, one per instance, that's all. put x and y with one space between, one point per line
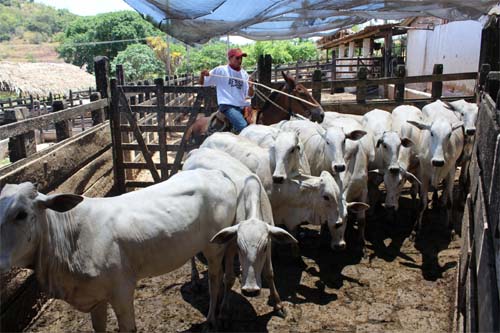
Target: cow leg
122 303
195 276
99 316
361 217
423 206
448 199
229 278
268 273
214 255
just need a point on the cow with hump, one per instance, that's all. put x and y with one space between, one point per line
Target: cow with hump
92 251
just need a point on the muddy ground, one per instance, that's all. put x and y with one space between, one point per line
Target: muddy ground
401 287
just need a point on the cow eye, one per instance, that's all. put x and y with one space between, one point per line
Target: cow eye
292 150
432 134
385 146
326 198
21 215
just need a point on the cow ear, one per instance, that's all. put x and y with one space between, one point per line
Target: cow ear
357 207
419 125
281 236
406 142
225 235
60 202
355 135
457 125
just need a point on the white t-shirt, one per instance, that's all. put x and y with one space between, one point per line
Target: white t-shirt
229 91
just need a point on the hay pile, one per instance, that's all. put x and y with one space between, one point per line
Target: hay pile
43 78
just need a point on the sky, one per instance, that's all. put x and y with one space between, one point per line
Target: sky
87 7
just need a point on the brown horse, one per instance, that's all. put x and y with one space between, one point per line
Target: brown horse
269 114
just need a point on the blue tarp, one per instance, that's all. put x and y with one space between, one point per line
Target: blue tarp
196 21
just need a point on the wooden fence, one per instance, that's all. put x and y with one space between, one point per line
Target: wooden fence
478 295
145 135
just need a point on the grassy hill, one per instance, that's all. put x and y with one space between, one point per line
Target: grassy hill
22 51
29 31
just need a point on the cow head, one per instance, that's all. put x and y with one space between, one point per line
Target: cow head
468 113
389 145
394 182
437 135
22 209
335 143
287 151
253 238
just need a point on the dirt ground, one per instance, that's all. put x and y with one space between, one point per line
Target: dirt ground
402 287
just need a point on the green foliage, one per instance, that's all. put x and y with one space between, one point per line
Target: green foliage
18 17
282 51
139 63
114 26
206 56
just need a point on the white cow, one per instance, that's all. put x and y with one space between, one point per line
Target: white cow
325 149
307 198
355 177
91 251
407 160
253 234
440 147
285 145
331 116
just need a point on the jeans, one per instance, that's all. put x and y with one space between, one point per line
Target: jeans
235 116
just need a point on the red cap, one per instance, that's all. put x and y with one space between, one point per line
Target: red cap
236 53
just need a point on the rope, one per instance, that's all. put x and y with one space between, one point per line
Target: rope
265 98
267 87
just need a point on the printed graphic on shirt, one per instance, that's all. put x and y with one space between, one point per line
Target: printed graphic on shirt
235 83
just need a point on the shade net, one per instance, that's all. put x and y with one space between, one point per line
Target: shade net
197 21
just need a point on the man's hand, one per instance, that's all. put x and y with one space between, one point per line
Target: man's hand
203 73
251 92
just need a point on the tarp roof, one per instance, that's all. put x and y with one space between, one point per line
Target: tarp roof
196 21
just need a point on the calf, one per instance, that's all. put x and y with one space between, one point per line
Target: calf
92 251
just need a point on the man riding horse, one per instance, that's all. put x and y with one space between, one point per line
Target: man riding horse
233 88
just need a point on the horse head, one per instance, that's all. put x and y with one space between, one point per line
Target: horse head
287 105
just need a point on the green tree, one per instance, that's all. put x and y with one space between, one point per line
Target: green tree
82 37
139 63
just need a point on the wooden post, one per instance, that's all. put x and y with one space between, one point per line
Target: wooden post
316 85
399 89
63 127
264 72
101 66
70 97
297 71
333 75
51 99
97 115
23 145
437 86
361 87
162 134
483 77
120 75
114 117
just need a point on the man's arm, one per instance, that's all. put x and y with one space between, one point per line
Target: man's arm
251 92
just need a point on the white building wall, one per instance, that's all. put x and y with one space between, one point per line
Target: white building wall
456 45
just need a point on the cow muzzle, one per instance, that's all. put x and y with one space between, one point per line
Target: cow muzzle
470 131
250 291
437 163
339 167
278 179
394 170
341 246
